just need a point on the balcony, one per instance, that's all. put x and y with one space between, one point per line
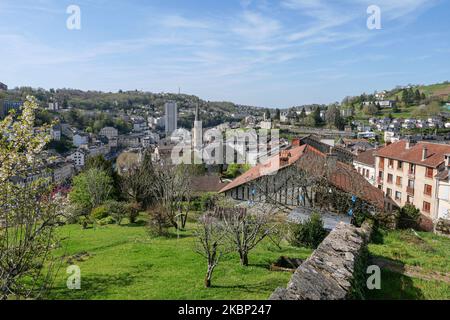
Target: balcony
380 180
410 191
411 175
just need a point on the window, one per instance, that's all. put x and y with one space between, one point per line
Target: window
382 163
389 192
398 195
426 207
427 190
390 178
429 173
399 165
391 163
412 168
409 199
367 173
398 181
411 184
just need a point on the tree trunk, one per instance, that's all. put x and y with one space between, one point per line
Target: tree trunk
244 258
184 220
209 276
207 282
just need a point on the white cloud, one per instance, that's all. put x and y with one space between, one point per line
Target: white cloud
254 26
176 21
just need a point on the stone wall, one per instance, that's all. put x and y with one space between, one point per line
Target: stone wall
443 227
334 270
387 220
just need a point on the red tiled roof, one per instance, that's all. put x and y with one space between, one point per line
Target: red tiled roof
344 177
398 151
367 157
267 168
206 184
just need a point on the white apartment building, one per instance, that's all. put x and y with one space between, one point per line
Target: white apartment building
443 193
171 119
78 157
364 163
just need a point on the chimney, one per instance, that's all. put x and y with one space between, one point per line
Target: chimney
424 153
409 143
447 161
284 157
447 165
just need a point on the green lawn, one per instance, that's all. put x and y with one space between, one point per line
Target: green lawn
125 263
428 253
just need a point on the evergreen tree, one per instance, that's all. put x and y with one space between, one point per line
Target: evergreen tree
417 96
303 114
316 116
277 114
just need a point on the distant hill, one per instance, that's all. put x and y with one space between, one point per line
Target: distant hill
418 101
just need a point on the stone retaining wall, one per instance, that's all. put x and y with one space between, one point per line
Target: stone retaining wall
334 269
443 227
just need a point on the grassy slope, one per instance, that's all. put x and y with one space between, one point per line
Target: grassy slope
431 254
126 263
430 90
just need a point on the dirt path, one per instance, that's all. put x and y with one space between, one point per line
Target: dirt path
411 271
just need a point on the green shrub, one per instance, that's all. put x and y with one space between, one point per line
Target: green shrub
409 217
84 221
99 213
310 233
106 221
117 210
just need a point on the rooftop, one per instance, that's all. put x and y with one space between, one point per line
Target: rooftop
343 177
399 151
367 158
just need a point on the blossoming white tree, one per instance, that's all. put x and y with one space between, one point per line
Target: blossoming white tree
28 213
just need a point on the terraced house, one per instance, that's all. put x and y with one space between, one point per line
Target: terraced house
410 173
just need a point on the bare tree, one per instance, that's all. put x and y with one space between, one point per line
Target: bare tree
158 221
245 228
210 243
172 188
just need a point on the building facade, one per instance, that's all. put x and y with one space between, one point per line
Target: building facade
78 157
443 191
409 172
171 117
79 140
7 106
364 163
63 172
109 132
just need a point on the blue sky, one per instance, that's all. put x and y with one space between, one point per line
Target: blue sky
258 52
